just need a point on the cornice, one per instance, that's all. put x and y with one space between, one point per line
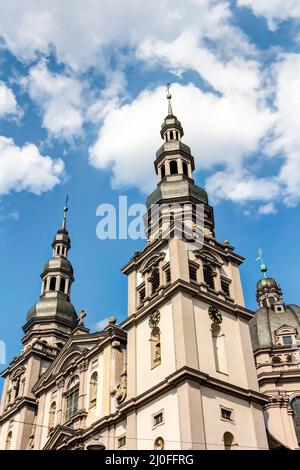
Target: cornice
194 291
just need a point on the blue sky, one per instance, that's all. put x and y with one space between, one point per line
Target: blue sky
81 105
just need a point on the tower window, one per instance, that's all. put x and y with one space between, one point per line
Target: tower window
52 283
225 287
193 272
142 295
62 284
58 250
171 135
157 419
184 168
173 167
163 171
168 275
208 275
226 414
155 282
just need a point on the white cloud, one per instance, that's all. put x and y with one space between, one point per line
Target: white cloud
80 36
100 325
242 186
267 209
24 168
8 102
60 99
286 142
275 11
219 129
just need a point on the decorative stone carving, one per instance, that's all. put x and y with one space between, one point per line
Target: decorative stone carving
121 391
60 382
83 365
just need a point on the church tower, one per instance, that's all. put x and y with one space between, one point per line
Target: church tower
192 382
275 334
49 324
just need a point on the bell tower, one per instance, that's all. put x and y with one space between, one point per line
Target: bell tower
189 347
49 324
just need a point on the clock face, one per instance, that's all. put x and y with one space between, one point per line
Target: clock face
215 314
154 319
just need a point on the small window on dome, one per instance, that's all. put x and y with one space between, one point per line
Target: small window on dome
287 340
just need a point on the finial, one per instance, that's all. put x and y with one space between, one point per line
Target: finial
169 96
64 223
112 320
263 266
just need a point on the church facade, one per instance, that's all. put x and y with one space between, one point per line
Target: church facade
180 371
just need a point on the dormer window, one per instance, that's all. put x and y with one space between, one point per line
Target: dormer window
287 340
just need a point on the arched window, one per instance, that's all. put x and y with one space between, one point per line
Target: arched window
58 250
173 167
163 171
229 441
219 349
295 404
155 347
52 413
171 135
208 275
8 441
53 283
93 389
72 396
62 285
185 168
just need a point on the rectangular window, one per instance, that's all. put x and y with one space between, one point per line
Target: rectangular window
193 272
287 340
121 441
225 287
157 419
72 403
155 281
142 295
208 275
226 414
168 275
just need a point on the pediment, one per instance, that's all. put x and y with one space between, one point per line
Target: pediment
61 435
72 352
285 330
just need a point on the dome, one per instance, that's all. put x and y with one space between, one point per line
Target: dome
53 306
267 282
59 262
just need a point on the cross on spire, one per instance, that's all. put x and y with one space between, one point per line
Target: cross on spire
169 96
64 223
263 266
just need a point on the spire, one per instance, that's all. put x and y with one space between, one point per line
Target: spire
268 291
169 96
64 222
263 266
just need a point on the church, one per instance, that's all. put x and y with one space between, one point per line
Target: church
190 368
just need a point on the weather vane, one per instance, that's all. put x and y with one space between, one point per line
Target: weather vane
263 266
